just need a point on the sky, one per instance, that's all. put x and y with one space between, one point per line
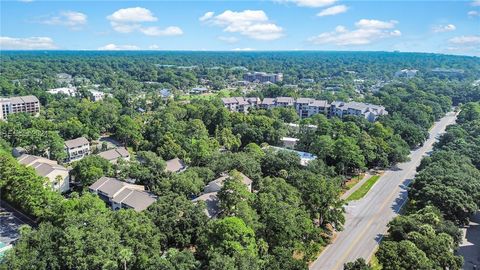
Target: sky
449 27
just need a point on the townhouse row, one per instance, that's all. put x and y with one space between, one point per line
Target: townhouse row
307 107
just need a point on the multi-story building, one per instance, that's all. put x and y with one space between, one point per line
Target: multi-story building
263 77
26 104
77 149
69 91
120 194
369 111
306 107
406 73
57 175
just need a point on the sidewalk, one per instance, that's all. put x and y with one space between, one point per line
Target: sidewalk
470 247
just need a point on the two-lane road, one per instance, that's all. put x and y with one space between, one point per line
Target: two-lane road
367 219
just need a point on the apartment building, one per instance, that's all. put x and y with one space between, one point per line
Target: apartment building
57 175
263 77
26 104
369 111
306 107
120 194
77 149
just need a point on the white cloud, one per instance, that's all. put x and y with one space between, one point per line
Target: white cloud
135 14
444 28
243 49
228 39
72 19
156 31
366 32
475 3
333 10
31 43
127 20
465 40
206 16
473 13
154 47
309 3
251 23
114 47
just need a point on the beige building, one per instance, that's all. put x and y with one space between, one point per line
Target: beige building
77 149
113 155
26 104
57 175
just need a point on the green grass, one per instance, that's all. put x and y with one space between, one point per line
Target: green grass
375 264
359 193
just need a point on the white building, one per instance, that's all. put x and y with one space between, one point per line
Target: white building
97 95
289 142
406 73
199 90
69 91
369 111
57 175
77 149
24 104
263 77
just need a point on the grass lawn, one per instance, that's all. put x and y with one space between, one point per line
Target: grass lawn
359 193
375 264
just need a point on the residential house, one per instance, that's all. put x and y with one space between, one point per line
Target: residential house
120 194
23 104
199 90
175 165
77 149
97 95
57 175
113 155
210 192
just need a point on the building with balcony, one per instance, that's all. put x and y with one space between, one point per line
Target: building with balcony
77 149
23 104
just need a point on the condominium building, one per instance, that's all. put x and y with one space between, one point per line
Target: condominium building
263 77
58 176
120 194
26 104
77 149
369 111
306 107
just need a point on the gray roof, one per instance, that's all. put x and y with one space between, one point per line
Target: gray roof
211 201
121 192
319 103
76 142
42 166
114 154
174 165
305 100
268 101
229 101
217 184
285 99
241 101
108 186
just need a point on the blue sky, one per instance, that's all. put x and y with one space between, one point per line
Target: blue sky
451 27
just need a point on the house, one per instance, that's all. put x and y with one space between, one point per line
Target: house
175 165
289 142
210 192
77 149
199 90
284 101
57 175
120 194
113 155
296 127
267 103
23 104
307 80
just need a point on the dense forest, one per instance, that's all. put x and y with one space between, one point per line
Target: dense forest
294 210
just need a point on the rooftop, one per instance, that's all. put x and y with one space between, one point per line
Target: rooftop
76 142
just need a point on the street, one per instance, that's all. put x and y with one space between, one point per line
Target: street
367 219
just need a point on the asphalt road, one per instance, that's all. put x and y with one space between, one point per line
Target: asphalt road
367 219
